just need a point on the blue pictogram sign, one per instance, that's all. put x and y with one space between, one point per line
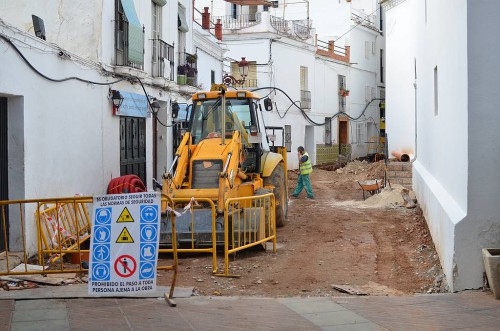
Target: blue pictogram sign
100 252
148 233
102 234
149 213
147 270
148 252
100 271
103 216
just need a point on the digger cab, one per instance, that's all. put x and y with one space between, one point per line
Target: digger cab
241 113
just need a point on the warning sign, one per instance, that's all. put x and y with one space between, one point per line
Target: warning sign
125 237
125 216
125 266
123 259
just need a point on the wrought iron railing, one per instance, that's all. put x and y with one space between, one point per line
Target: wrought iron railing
323 45
364 19
188 65
296 28
163 59
305 99
248 83
238 22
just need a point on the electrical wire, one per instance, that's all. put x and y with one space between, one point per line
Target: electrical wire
355 26
53 79
81 79
304 114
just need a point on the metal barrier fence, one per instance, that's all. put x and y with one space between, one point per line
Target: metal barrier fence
187 228
253 222
62 228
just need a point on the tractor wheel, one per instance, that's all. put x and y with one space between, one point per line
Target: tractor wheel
277 179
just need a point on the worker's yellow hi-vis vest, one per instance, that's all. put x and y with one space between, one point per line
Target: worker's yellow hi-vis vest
306 167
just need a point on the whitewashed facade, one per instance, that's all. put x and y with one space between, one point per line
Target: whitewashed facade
64 137
279 42
442 83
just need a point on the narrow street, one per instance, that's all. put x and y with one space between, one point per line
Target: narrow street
376 247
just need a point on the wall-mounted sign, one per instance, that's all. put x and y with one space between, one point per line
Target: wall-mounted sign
134 105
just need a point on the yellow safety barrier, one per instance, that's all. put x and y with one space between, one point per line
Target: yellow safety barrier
170 209
62 225
253 222
190 205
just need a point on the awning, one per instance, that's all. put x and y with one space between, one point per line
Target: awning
160 2
182 23
135 34
250 2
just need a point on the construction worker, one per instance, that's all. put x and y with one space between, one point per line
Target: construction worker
305 168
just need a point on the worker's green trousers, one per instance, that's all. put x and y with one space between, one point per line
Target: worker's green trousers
303 182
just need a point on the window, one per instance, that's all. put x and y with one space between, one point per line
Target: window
367 49
182 23
212 77
342 84
328 131
436 93
288 138
234 11
382 66
303 78
374 47
129 35
156 23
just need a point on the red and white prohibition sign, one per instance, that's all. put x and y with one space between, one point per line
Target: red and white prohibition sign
125 266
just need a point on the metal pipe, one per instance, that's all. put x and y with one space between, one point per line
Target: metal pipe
402 157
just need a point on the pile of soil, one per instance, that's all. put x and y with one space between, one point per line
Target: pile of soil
337 239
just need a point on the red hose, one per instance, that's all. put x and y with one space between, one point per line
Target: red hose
126 184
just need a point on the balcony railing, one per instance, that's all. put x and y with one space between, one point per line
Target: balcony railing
323 45
189 66
305 99
296 28
163 59
365 20
238 22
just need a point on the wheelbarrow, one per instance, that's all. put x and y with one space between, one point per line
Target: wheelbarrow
371 187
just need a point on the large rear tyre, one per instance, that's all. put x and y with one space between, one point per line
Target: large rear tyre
277 179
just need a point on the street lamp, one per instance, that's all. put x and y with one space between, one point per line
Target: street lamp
117 98
243 68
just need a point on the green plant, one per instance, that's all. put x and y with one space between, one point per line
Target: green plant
182 69
191 58
191 72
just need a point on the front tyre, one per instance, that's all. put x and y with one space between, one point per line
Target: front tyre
277 179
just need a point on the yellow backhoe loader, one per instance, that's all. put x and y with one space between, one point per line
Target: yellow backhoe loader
226 153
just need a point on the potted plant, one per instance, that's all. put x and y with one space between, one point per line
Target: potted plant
344 92
181 74
191 75
191 58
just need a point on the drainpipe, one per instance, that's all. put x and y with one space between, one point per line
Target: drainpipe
416 125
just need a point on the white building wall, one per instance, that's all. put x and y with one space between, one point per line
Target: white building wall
455 175
63 137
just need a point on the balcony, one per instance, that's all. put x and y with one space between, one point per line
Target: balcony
162 59
238 22
187 70
300 29
329 49
363 19
305 100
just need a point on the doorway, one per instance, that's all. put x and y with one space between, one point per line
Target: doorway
309 143
4 174
133 147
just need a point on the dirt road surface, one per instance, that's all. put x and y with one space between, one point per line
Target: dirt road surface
373 247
